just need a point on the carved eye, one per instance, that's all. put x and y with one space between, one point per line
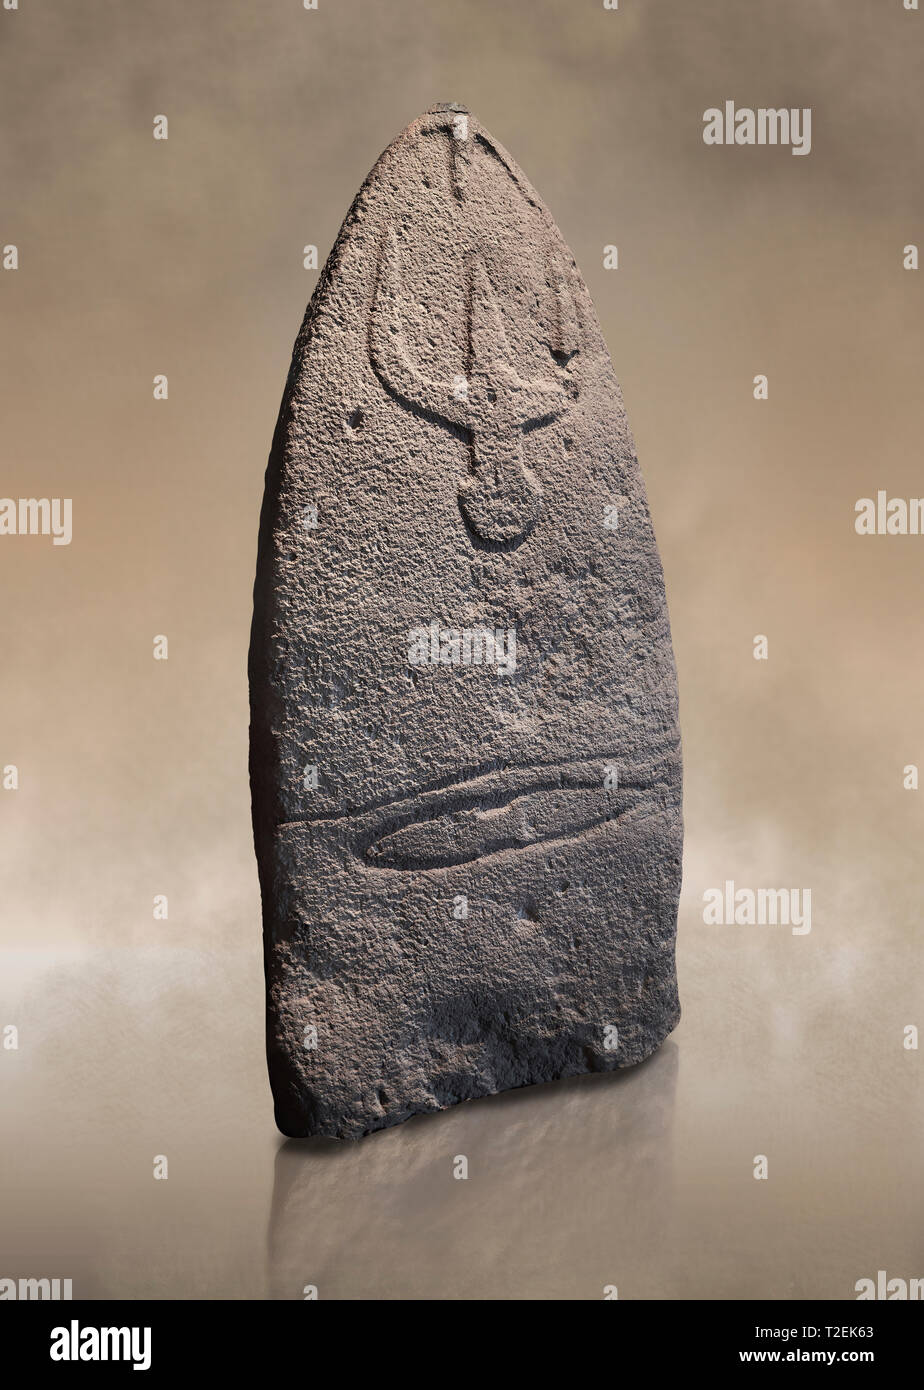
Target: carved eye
498 814
458 837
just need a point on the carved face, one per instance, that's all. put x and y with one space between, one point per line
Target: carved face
454 421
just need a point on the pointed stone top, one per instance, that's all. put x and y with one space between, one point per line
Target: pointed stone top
447 106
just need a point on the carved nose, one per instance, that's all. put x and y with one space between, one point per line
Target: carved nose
500 502
503 504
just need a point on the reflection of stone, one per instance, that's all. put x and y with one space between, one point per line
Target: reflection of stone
470 874
105 1083
569 1189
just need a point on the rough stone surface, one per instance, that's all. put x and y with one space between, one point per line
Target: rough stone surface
480 891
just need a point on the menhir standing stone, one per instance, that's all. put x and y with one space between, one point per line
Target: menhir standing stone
465 757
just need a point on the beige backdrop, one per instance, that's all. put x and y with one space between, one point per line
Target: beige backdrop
142 1037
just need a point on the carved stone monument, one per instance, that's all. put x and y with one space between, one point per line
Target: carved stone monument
465 755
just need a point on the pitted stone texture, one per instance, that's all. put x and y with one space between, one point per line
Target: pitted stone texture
453 424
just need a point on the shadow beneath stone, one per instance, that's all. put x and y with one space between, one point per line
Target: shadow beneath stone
569 1189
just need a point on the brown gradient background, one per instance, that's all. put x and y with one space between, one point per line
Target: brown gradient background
184 257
